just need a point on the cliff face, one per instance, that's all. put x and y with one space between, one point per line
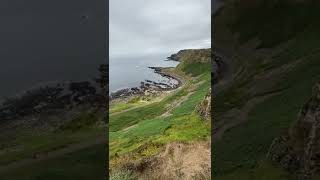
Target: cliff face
193 61
299 150
192 55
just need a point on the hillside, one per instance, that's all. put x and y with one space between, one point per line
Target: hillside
194 61
54 132
271 49
157 132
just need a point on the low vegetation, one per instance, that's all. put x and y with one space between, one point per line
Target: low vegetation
58 154
277 59
142 129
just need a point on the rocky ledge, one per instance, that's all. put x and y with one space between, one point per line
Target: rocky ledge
298 150
204 108
149 87
45 99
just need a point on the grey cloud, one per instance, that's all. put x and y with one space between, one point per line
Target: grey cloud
142 27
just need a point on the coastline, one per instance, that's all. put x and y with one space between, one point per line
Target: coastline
149 87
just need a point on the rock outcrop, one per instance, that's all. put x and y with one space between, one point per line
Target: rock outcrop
218 68
193 55
298 151
47 99
148 87
204 108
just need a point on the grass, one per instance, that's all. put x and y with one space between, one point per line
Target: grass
265 170
26 143
124 120
249 142
241 152
184 129
81 164
255 20
84 164
244 145
196 69
84 120
189 105
122 175
29 144
144 127
134 102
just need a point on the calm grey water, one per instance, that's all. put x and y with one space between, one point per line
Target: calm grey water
129 72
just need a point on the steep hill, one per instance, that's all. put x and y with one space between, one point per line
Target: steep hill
298 150
150 133
54 132
193 61
271 49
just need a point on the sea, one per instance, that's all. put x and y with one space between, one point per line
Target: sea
130 72
123 73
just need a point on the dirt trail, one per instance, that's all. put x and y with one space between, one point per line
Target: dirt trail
53 154
175 104
142 105
132 108
235 117
180 161
179 101
180 78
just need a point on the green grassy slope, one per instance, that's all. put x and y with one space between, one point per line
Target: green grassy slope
85 162
291 70
195 62
143 130
81 165
274 21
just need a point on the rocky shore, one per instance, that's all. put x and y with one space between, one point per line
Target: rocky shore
149 87
51 98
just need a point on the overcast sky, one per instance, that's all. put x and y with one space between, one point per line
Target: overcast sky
142 27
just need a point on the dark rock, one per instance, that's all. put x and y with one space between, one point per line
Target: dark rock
204 108
218 68
44 99
299 149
